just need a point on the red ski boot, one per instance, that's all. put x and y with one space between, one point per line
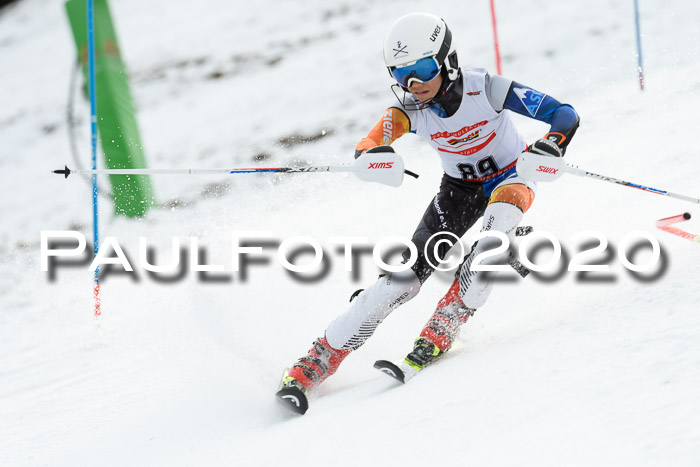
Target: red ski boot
308 372
435 339
439 333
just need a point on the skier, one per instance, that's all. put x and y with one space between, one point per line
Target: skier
460 114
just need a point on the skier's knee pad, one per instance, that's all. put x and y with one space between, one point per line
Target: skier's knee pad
352 328
476 286
517 194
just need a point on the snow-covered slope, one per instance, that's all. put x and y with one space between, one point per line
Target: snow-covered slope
568 371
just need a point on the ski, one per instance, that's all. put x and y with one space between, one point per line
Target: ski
292 395
294 399
400 371
424 354
390 369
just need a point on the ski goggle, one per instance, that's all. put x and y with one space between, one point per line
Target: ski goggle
422 70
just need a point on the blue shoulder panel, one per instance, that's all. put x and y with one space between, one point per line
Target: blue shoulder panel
531 103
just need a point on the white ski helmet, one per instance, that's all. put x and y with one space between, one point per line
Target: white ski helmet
418 47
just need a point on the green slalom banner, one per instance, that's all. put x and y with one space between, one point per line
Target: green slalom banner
116 117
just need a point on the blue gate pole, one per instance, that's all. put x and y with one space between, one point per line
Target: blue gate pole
93 135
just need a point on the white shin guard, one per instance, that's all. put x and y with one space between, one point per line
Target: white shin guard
474 286
352 328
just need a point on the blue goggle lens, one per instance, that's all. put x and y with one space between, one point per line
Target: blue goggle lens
423 70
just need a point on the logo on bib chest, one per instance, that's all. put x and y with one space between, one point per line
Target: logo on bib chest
470 137
458 133
473 149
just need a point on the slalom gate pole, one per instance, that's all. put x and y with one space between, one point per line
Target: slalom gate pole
640 65
666 225
583 173
93 135
495 38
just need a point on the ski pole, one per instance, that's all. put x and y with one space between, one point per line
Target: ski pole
386 168
66 171
583 173
541 168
